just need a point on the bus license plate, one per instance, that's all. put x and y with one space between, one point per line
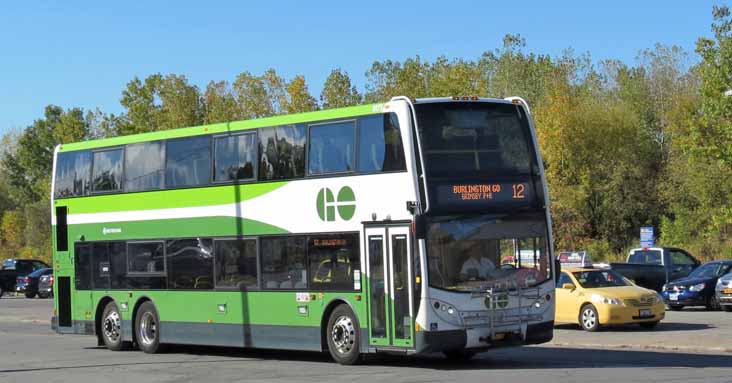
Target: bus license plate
673 297
727 290
645 313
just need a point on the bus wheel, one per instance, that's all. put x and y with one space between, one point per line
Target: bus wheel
147 325
343 336
588 318
112 327
459 355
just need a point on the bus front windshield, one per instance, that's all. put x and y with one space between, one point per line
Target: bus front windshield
470 253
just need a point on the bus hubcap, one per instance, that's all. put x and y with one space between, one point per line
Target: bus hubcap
112 326
588 318
148 328
343 334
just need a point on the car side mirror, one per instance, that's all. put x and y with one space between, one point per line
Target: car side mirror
568 286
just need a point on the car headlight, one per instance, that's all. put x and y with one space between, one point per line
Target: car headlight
697 287
663 288
597 298
719 282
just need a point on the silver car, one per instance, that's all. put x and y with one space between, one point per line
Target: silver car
724 292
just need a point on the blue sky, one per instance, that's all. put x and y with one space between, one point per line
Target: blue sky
76 53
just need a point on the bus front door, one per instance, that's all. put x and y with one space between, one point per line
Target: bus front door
389 276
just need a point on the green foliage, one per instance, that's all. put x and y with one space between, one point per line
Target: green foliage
298 97
338 91
12 225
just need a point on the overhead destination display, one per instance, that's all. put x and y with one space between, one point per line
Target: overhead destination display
480 195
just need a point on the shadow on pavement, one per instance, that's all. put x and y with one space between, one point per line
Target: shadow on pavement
527 358
662 327
515 358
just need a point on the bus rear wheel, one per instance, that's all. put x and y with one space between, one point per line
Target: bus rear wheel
147 328
343 336
112 328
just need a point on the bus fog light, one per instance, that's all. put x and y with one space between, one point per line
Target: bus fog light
537 304
450 310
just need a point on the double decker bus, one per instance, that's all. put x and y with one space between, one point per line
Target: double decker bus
392 227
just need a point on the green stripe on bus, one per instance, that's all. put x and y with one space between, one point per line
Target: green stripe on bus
173 228
330 114
167 199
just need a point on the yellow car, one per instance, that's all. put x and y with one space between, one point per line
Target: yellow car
598 297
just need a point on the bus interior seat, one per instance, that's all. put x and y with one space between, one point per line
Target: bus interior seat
286 285
272 284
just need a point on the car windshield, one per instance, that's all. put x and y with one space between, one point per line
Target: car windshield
599 278
710 270
466 253
651 257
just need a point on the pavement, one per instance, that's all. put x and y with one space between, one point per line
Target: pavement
689 346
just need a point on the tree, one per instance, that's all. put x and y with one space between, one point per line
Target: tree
219 103
12 226
259 96
298 97
160 103
338 91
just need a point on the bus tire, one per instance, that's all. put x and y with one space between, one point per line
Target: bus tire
343 336
147 328
112 327
588 318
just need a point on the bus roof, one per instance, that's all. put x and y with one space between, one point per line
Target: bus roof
224 127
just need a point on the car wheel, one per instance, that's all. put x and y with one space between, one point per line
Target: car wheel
112 328
147 327
43 295
675 307
30 295
343 336
459 355
588 318
712 303
649 325
727 308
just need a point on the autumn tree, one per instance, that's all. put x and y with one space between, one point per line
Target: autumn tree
338 91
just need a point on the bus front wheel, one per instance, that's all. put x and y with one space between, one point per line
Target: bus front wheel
147 327
343 336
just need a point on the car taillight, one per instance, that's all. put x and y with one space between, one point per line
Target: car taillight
26 280
50 279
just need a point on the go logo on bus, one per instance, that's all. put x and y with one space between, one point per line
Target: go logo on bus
344 203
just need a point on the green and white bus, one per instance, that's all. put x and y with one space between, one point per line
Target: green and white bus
389 227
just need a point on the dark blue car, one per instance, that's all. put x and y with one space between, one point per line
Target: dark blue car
697 289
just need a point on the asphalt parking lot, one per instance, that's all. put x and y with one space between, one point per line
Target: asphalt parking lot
688 346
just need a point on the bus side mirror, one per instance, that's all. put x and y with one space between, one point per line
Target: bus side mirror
557 271
420 226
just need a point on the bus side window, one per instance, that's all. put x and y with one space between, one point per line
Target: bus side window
380 144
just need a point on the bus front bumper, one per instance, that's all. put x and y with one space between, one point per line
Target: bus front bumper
479 338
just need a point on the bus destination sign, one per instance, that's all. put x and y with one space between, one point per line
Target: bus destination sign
489 194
